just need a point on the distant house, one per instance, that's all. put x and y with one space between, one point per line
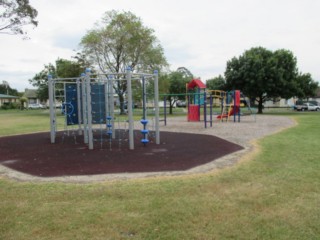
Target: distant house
292 101
280 102
6 99
313 99
31 95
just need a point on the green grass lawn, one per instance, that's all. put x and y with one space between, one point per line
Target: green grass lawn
19 122
275 195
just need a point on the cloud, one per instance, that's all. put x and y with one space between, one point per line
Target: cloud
67 40
200 35
17 79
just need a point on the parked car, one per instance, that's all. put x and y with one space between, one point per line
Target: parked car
312 107
181 103
301 107
307 107
36 106
58 105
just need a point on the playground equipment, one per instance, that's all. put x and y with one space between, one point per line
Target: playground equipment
144 120
230 103
235 104
196 98
230 106
88 103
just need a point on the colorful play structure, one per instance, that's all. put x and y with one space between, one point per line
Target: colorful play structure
196 98
201 100
87 104
230 106
88 107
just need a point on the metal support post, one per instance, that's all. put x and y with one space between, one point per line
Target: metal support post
84 109
129 106
156 104
89 108
79 106
52 110
204 110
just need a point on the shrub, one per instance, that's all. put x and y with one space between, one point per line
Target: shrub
10 105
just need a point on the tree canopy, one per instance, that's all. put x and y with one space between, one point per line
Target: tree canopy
119 41
307 87
263 74
7 90
217 83
15 15
175 85
185 72
61 69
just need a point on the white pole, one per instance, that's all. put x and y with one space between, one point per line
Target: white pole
129 106
52 110
89 108
111 106
156 105
84 109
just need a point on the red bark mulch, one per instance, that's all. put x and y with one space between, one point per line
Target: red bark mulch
34 154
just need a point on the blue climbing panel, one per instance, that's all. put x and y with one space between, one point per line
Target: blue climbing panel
98 104
70 106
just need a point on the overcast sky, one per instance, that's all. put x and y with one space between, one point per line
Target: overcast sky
200 35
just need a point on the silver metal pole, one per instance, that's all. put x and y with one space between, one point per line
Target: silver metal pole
84 109
129 106
79 106
52 110
89 108
106 97
111 106
156 105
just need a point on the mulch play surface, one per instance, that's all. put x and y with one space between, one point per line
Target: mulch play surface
69 156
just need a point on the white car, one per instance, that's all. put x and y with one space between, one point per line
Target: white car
36 106
312 107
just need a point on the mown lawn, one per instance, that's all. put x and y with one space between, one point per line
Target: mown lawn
27 121
19 122
275 195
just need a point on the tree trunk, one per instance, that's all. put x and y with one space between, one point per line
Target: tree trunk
121 101
260 105
170 109
171 106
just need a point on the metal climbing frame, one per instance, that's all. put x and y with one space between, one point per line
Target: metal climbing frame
84 103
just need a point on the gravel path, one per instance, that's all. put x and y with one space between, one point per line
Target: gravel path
243 134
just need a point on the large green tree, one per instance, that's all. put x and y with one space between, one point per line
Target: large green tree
307 87
15 15
217 83
40 81
176 82
119 41
7 90
61 69
83 61
263 74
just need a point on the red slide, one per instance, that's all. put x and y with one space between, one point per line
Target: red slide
230 113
